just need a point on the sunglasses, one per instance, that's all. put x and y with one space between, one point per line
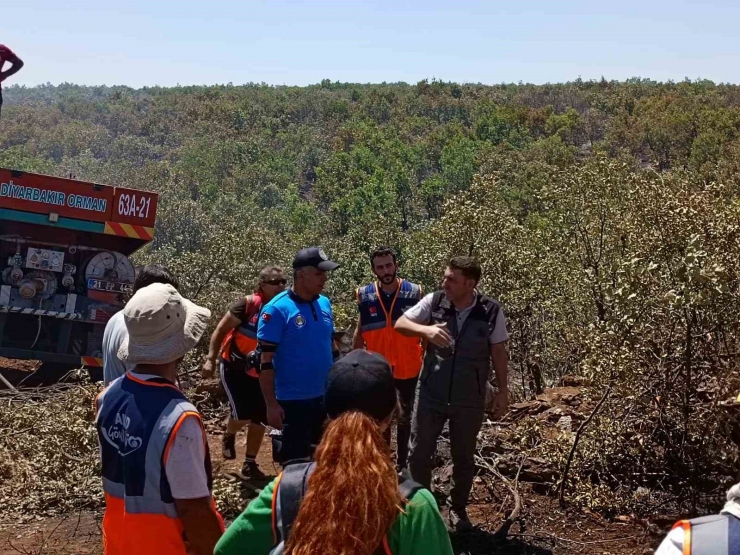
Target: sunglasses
276 282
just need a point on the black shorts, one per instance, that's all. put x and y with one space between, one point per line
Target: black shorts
244 393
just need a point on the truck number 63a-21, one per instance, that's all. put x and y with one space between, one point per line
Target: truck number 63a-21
130 205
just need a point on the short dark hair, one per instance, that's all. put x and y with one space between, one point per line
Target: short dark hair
468 266
154 273
382 251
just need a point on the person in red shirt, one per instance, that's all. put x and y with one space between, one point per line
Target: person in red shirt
7 55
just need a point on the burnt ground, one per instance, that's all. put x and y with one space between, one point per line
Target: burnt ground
545 528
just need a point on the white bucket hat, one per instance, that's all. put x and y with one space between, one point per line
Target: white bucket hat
162 325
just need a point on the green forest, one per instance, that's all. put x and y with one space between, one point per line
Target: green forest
606 216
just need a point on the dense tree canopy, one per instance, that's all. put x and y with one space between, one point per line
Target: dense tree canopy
606 216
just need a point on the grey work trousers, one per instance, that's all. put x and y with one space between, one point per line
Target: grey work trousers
426 426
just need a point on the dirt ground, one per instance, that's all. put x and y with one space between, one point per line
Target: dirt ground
17 364
545 530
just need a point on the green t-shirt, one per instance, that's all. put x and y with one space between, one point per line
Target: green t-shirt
420 530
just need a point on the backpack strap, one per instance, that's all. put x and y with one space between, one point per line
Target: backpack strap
290 490
254 304
407 488
287 497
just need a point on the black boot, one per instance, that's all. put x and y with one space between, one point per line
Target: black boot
228 442
251 470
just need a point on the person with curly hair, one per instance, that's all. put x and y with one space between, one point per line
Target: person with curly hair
350 498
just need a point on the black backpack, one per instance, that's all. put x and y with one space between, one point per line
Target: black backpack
289 492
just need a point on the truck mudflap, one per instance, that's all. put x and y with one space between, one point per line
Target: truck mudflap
129 230
94 362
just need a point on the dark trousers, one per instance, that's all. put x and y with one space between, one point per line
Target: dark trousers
302 429
426 427
406 390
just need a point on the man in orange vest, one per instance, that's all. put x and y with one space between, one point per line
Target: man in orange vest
154 452
381 304
235 338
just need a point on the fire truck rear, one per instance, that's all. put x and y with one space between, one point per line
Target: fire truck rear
64 257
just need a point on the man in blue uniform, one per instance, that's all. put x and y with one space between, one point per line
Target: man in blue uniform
295 335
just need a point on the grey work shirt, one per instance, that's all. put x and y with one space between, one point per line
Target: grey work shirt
421 313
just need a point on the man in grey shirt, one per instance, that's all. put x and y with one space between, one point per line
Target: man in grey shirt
115 329
465 332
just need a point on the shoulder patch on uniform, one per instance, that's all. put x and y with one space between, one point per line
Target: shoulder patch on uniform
266 317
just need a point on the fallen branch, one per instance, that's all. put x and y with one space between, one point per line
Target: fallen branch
7 383
581 428
546 535
503 530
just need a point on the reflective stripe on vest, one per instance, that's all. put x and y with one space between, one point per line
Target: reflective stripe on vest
376 325
136 423
711 535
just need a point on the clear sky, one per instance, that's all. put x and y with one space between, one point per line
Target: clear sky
164 42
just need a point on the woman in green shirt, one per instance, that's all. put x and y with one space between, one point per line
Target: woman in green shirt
352 503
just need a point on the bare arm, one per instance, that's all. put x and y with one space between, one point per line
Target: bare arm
275 413
267 379
357 341
201 522
14 68
436 334
227 323
406 327
500 360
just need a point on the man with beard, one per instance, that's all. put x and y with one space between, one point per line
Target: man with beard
381 304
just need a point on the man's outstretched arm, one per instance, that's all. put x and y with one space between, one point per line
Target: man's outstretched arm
436 334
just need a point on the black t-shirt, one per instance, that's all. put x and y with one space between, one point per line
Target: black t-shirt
387 299
239 309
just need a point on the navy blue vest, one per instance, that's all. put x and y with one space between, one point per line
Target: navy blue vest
372 313
135 422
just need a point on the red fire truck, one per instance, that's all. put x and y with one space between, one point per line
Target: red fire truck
64 248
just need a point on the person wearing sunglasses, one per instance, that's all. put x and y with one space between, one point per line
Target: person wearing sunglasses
234 344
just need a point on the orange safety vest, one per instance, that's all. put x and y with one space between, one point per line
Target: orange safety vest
376 325
136 422
242 340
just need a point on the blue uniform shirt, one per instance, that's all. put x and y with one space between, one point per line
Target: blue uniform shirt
302 331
